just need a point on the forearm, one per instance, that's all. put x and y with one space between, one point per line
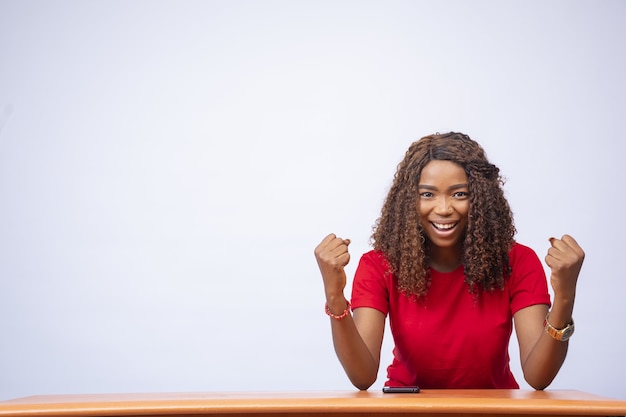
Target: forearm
357 337
358 361
547 356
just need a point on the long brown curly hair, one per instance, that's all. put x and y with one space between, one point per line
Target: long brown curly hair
490 229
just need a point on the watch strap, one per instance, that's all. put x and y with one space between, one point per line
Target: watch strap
559 334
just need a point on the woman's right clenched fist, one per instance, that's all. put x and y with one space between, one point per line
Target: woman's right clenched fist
332 256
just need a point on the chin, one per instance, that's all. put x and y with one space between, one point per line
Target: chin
445 243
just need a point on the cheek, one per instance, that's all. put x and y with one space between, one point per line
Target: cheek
463 210
423 207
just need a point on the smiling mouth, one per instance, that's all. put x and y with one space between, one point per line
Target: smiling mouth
443 226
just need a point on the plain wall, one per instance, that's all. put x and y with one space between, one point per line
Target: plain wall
167 168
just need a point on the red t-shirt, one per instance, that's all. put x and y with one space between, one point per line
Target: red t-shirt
452 339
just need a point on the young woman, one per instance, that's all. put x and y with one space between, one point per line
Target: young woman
447 271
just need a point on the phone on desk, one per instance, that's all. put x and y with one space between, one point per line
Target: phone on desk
400 390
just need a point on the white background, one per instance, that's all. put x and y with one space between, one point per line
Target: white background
167 168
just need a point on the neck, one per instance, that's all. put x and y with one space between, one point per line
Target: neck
446 259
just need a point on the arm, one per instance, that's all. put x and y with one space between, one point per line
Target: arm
541 355
357 338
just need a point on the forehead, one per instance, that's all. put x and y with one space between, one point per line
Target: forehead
443 172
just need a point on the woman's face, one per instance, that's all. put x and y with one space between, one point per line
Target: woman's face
443 203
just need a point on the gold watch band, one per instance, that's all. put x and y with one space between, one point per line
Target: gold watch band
558 334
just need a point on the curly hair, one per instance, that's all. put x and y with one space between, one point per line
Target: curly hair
490 230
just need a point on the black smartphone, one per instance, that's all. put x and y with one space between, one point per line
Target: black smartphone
401 390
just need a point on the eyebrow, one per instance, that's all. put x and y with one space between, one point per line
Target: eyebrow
433 188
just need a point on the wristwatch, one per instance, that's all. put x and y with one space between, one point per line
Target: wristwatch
559 334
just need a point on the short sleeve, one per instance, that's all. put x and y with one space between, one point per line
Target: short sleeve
371 283
527 285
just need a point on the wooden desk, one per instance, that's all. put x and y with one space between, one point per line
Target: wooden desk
428 403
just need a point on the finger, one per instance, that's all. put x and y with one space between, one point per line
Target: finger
333 247
573 244
324 244
553 250
556 243
344 259
341 246
337 257
564 246
328 239
556 254
330 242
338 242
557 246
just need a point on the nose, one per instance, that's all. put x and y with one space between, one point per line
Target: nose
443 207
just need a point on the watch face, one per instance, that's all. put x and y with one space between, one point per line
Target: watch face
567 333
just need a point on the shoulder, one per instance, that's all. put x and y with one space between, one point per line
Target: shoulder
521 254
525 264
375 258
527 284
372 265
372 282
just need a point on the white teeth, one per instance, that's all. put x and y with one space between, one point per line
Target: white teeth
444 226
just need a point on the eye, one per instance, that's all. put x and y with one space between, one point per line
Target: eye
426 194
460 194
